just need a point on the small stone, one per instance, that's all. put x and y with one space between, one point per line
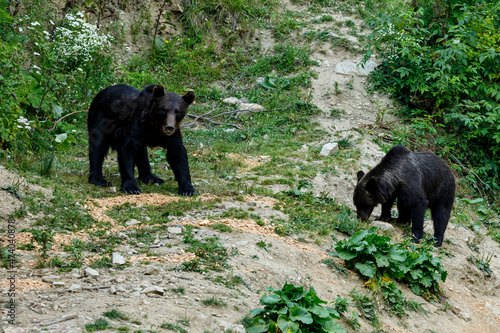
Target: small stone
75 288
230 101
112 290
251 107
51 278
152 271
90 272
118 259
175 230
153 290
329 149
382 225
58 283
252 203
303 149
132 222
112 189
141 245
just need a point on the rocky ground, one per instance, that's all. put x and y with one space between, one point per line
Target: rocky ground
151 294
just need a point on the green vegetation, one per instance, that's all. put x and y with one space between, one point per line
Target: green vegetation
293 309
376 256
442 60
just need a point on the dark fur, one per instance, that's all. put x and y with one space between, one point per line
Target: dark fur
417 180
129 120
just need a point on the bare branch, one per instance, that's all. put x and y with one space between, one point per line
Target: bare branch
69 114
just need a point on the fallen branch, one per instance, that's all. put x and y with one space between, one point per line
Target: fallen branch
210 119
60 320
69 114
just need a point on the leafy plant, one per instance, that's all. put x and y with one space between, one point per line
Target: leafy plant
44 238
447 71
376 256
293 309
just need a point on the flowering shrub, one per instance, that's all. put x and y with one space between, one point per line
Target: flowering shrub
79 42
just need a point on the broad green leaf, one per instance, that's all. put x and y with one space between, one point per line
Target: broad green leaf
368 269
57 111
257 326
270 299
347 255
256 311
319 311
286 325
301 314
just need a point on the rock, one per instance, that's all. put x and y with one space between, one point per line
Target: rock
75 273
132 222
303 149
152 271
348 67
75 288
51 278
90 272
175 230
140 245
329 149
153 290
382 225
58 283
230 101
251 107
176 6
464 315
112 189
118 259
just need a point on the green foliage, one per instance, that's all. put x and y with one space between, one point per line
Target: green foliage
293 309
443 60
44 238
115 314
375 256
98 325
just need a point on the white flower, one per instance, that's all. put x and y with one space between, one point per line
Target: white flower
52 22
35 23
36 53
20 29
36 67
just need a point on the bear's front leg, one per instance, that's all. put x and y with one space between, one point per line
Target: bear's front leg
142 161
386 210
178 160
126 164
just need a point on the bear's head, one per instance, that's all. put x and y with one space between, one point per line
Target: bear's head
169 109
369 192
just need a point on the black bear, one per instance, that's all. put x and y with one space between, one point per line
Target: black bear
129 120
418 181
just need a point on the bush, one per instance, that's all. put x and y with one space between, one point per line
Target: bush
293 309
376 256
443 60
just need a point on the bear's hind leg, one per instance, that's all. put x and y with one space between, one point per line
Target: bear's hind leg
97 154
440 218
126 164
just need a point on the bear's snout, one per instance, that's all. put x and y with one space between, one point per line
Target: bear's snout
168 130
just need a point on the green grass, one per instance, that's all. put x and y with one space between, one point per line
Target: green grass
214 302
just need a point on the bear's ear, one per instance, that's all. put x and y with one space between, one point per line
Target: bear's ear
371 185
158 91
360 175
188 98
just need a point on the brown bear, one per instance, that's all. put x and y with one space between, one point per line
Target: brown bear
129 120
418 181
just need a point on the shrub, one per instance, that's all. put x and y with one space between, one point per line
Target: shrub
443 60
376 256
293 309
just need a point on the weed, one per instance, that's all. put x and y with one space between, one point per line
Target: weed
221 227
336 113
264 245
98 325
44 238
115 314
335 266
212 301
341 304
337 90
366 305
179 290
483 263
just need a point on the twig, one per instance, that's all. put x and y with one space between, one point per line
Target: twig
96 287
210 119
60 320
69 114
